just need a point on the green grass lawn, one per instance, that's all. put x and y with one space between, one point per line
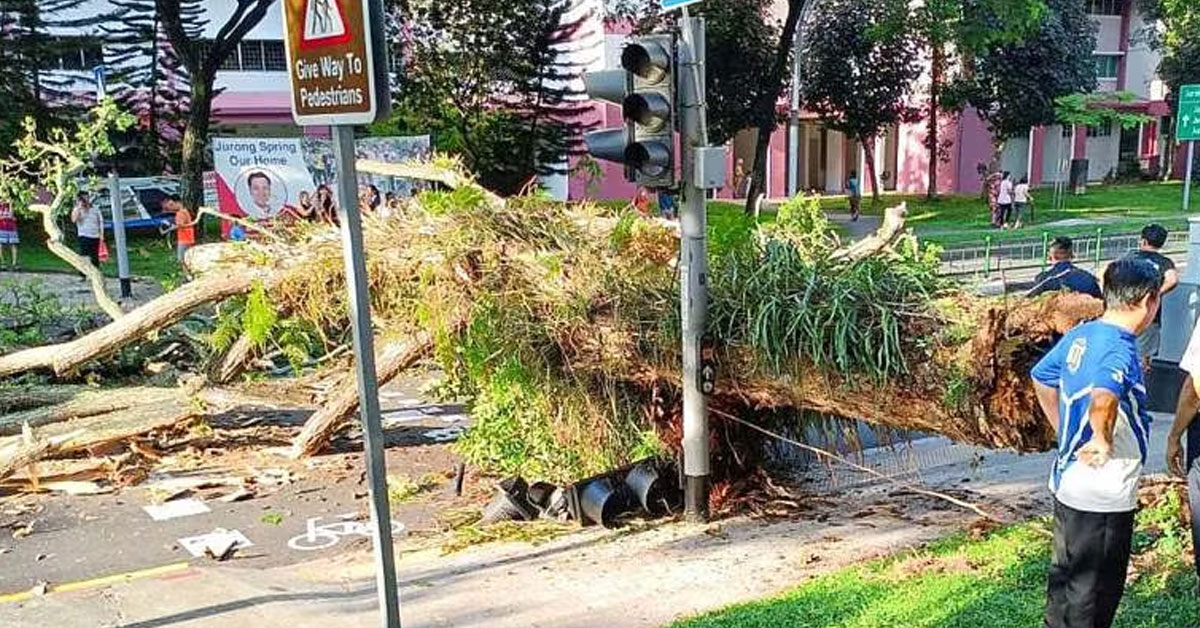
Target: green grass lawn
964 219
150 255
996 582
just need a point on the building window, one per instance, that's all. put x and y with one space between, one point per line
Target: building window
232 62
275 60
1107 66
1105 7
1103 130
252 56
79 54
256 55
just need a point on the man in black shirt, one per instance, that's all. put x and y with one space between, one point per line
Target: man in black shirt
1064 275
1154 237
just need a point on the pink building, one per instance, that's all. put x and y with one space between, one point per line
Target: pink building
824 158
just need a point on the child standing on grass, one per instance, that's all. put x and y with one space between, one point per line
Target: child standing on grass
1091 388
1021 201
8 232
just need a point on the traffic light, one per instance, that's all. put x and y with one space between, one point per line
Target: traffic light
645 89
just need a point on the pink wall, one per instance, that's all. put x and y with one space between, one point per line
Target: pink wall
973 147
912 159
1039 156
777 177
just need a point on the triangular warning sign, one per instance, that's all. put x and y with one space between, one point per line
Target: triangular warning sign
324 24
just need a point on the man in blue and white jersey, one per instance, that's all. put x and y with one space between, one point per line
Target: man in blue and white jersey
1091 388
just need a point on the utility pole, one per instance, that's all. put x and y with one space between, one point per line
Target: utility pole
661 91
118 219
693 270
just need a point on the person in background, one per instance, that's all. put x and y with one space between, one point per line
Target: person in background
8 232
641 202
374 198
1004 200
1154 237
854 190
666 205
991 190
305 208
1091 388
184 226
739 179
326 207
89 225
1187 427
1021 202
1064 274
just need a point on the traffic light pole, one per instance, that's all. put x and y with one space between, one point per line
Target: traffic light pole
693 270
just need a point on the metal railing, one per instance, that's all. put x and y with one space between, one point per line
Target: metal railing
991 258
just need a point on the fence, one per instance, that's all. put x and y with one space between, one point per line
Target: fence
989 258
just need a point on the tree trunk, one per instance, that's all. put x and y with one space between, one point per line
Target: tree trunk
85 404
159 313
234 361
394 358
932 140
758 170
195 143
868 145
764 108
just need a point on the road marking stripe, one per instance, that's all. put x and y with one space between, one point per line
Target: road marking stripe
98 582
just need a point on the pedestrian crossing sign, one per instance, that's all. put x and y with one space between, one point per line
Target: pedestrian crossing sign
324 24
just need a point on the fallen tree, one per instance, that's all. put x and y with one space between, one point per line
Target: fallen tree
565 329
559 321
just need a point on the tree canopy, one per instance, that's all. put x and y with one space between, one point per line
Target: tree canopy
858 62
1013 84
493 81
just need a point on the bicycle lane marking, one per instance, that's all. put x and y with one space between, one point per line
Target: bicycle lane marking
319 537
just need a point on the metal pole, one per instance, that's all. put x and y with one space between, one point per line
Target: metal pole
693 274
793 152
1099 246
1045 249
987 257
118 218
1187 176
364 362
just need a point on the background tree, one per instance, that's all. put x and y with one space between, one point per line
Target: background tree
148 80
202 58
492 81
952 32
741 37
40 70
859 61
1014 85
1174 32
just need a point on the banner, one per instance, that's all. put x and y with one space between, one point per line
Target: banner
319 155
258 177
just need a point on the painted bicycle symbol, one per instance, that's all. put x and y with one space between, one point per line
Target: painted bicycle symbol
319 537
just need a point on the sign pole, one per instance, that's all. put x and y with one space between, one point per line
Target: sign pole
364 365
118 218
693 273
1187 176
1187 129
337 60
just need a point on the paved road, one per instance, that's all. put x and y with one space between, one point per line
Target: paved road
82 537
590 579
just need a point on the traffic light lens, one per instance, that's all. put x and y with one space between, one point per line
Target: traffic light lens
649 158
649 63
647 109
